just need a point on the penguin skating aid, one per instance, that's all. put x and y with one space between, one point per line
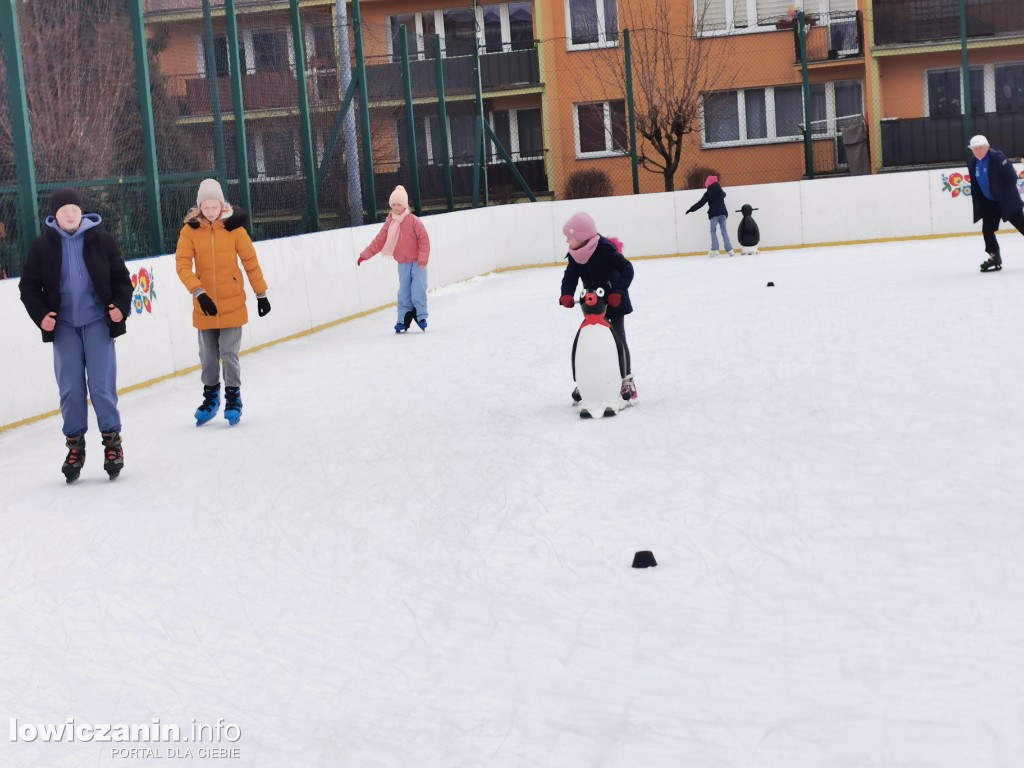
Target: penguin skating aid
598 360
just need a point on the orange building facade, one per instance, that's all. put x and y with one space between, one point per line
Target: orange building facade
554 95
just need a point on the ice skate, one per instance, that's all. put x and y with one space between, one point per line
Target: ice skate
210 405
628 391
232 404
113 454
993 264
75 459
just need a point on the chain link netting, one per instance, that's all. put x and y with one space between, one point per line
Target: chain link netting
559 108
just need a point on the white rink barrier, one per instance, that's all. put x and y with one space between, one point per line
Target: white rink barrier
313 279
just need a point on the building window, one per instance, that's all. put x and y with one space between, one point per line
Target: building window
220 55
1009 96
520 26
592 23
600 128
943 92
765 115
496 28
276 155
270 50
723 16
519 132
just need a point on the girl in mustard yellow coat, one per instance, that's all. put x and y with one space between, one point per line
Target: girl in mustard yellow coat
210 246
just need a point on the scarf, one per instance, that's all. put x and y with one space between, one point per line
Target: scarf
392 239
581 255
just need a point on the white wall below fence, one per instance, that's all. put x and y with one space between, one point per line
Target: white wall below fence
313 279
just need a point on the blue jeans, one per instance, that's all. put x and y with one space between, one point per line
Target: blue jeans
719 221
83 358
412 290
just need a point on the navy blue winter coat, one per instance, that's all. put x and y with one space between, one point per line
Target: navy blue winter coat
606 268
1002 179
714 198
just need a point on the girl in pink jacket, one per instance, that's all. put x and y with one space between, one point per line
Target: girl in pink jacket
404 238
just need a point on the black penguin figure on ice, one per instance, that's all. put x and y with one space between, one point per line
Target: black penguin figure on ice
598 359
747 232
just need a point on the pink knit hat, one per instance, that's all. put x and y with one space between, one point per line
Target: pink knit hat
580 226
711 180
399 196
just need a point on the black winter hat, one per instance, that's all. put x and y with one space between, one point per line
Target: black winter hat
64 196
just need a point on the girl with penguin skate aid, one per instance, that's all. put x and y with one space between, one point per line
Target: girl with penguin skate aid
598 262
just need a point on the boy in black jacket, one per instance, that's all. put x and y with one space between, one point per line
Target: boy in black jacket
714 198
76 288
599 263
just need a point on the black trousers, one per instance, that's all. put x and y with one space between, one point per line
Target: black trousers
991 218
619 324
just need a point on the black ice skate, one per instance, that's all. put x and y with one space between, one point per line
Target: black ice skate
113 454
993 264
409 317
75 459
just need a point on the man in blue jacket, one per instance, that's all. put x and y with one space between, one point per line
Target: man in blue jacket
77 290
995 196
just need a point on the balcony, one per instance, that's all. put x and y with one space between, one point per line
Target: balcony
923 141
262 90
500 182
900 22
832 37
498 71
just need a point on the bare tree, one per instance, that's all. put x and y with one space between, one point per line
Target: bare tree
673 67
80 84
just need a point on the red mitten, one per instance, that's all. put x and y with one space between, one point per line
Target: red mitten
361 259
423 264
614 299
566 301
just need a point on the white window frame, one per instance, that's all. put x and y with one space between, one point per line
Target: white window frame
250 47
822 9
418 45
831 117
513 132
602 34
261 157
989 79
580 154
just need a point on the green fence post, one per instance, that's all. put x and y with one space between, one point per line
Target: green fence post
214 81
156 222
21 131
442 121
370 186
480 166
632 112
965 77
808 128
410 118
241 143
308 159
509 162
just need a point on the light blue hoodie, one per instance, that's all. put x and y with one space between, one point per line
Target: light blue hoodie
79 304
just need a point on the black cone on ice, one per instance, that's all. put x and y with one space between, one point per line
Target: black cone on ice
644 559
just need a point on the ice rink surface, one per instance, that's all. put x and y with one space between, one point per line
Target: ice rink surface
411 553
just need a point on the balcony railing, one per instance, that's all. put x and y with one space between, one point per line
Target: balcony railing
497 71
918 21
936 140
500 181
834 36
262 90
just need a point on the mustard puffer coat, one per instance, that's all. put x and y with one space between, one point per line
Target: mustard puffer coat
207 256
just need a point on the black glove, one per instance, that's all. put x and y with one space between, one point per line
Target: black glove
206 304
262 306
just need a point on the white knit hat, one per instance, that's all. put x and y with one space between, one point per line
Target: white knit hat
209 189
978 141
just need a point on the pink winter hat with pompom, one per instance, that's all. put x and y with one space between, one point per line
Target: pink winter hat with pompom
580 226
711 180
399 196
